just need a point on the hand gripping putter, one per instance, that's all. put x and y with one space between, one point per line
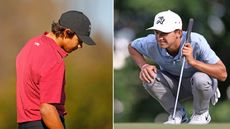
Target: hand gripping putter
189 29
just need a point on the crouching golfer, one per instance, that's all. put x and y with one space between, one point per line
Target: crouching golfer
166 48
41 72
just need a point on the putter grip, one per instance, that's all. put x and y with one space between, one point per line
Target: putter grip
189 29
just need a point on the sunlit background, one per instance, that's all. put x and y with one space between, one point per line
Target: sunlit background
88 70
131 19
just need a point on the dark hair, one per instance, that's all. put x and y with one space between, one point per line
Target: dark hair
58 30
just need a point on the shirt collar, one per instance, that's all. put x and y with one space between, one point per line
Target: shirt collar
53 44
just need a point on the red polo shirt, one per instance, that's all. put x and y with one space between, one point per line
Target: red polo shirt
40 77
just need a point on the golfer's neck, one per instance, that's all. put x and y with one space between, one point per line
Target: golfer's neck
53 36
174 48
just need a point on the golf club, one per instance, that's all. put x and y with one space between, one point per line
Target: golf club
189 29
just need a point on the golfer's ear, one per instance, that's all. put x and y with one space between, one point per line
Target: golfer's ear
178 33
65 33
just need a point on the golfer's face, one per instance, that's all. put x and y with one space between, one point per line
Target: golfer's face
72 44
165 39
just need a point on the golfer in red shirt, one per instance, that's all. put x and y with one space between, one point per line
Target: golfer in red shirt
41 72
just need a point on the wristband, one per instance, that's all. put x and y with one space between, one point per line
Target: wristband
144 66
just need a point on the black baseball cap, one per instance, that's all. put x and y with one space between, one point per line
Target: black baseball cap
78 23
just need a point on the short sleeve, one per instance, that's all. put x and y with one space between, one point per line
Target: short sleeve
207 54
52 84
144 44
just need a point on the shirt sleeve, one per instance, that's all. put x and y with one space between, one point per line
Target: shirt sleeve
143 45
207 54
52 84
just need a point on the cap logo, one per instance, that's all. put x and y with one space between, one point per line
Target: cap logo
37 44
89 28
160 20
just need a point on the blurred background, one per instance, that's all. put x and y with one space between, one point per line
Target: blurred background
131 17
88 70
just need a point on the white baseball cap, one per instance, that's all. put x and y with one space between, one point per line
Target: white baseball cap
166 21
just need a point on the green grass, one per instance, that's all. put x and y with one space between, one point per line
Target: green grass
162 126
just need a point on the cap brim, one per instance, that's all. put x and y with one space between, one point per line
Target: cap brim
159 29
150 28
87 40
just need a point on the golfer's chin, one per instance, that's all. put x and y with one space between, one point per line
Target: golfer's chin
70 50
163 45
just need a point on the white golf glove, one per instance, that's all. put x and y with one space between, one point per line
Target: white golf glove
215 97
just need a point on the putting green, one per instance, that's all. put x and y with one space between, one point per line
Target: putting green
162 126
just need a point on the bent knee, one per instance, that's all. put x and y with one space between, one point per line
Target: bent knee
201 81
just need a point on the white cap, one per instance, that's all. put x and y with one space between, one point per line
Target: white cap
166 21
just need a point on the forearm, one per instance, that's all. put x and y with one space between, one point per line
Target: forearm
217 70
136 56
50 116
